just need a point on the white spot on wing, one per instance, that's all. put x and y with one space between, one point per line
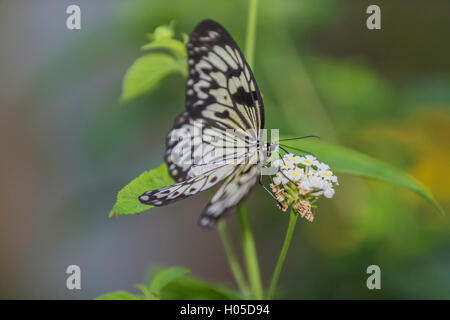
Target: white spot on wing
198 89
213 34
222 96
220 78
241 63
217 62
225 56
199 67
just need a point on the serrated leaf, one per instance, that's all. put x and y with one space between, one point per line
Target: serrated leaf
345 160
120 295
163 277
127 199
147 72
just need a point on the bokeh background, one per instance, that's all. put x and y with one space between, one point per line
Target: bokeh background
68 146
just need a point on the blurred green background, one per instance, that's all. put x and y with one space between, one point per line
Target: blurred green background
68 146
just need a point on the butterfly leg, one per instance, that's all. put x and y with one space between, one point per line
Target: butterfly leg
268 191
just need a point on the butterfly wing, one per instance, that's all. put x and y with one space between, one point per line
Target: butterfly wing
221 86
193 143
221 94
230 193
186 188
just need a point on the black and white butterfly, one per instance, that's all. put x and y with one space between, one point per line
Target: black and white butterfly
219 136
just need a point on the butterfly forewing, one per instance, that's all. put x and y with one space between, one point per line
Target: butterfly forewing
221 86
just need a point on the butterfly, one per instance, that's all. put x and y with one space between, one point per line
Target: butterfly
219 136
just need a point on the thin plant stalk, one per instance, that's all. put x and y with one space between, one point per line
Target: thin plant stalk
248 243
250 38
233 261
282 257
249 250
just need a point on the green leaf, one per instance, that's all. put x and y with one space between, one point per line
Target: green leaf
127 199
191 288
353 162
144 289
163 32
147 72
174 46
120 295
173 283
163 277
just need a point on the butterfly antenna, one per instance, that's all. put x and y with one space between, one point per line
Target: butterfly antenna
296 149
268 191
286 152
298 138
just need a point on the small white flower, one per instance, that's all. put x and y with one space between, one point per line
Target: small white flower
280 179
308 160
322 166
316 182
298 186
294 174
327 175
317 193
305 186
334 179
277 163
292 158
286 164
312 172
329 192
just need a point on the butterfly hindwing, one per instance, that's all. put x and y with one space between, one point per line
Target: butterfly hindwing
187 187
230 193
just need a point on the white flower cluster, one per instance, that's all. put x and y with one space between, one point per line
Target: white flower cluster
300 181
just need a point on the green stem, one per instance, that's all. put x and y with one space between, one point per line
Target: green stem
251 258
232 258
279 266
248 244
251 32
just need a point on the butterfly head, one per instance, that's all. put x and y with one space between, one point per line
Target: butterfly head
269 148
